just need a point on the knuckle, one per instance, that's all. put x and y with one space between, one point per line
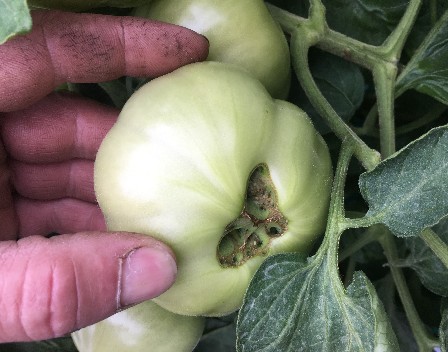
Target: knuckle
39 298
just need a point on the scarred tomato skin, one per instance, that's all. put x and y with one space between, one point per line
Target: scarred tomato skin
177 163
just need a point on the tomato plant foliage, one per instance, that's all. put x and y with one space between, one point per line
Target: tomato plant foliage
14 18
372 74
408 191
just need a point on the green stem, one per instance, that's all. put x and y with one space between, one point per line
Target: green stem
300 44
385 80
391 51
393 46
334 42
424 341
336 215
418 55
383 62
384 77
365 55
317 12
369 126
337 209
385 74
357 223
287 20
434 242
328 250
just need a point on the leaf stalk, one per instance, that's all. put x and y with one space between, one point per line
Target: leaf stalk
434 242
424 340
301 41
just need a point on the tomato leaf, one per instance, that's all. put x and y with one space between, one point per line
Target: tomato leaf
428 14
427 71
15 19
296 304
370 21
431 271
407 192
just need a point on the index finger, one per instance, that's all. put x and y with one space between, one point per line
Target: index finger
80 48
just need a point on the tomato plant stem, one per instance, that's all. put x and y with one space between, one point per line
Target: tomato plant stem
393 45
383 62
336 216
384 78
424 341
287 20
299 48
369 127
434 242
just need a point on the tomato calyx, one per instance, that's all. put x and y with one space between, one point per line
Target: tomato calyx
260 221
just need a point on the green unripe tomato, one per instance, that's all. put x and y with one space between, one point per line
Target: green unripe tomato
205 160
241 32
144 327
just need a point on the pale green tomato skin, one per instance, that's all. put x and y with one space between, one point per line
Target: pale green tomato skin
241 32
176 166
144 327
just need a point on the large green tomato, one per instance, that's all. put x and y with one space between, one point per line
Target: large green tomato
205 160
241 32
144 327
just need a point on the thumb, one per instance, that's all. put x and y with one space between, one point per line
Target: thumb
52 286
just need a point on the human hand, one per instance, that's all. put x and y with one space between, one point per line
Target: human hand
48 141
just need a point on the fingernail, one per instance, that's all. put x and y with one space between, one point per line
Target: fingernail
145 274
